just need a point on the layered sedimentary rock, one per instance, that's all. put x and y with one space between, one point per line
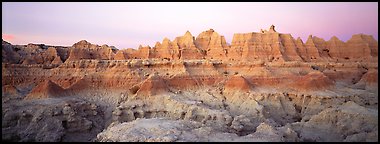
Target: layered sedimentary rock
167 50
214 44
335 48
265 86
153 85
256 46
120 55
266 46
358 48
368 81
320 44
313 81
301 49
34 54
237 83
46 89
86 50
186 46
50 55
312 50
289 47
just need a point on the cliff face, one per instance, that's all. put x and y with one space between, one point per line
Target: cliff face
33 54
312 50
358 48
255 46
164 50
335 48
289 48
187 48
86 50
213 44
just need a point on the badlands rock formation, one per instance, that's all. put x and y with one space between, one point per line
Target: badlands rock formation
264 86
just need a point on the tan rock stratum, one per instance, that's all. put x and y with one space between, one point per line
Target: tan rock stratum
263 86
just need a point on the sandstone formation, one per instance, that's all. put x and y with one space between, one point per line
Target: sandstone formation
265 45
313 81
153 85
264 86
46 89
86 50
312 51
237 83
352 51
187 48
213 44
120 55
165 50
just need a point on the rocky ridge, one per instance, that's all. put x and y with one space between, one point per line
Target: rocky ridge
265 86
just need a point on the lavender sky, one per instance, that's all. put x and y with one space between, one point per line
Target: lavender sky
127 25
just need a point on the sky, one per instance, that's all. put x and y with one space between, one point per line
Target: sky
127 25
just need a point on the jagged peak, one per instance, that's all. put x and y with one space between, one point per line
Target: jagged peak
215 34
310 37
83 42
315 38
207 34
158 44
144 47
271 29
299 39
188 33
357 36
165 39
187 39
334 38
310 40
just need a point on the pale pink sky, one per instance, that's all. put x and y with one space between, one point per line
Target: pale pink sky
127 25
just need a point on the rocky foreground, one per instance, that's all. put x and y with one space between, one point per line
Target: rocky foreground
264 86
